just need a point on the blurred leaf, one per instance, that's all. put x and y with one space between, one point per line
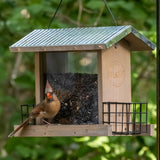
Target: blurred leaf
94 4
26 81
118 150
151 156
8 158
83 151
107 148
8 99
23 151
149 141
142 151
122 4
1 110
104 158
36 9
53 153
98 142
81 139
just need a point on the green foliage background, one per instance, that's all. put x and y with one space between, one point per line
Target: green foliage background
17 18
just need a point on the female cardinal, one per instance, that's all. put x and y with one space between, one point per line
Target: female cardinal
48 108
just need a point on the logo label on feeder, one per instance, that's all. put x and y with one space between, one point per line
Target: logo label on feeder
116 74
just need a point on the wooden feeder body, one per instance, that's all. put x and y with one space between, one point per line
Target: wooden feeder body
114 80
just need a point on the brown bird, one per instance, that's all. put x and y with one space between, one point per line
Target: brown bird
48 108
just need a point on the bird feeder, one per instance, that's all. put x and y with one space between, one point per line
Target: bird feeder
89 69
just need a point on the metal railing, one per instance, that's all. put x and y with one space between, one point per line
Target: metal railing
25 110
126 118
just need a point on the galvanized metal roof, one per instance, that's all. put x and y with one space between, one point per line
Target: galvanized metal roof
91 38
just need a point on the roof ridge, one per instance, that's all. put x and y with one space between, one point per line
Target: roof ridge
82 27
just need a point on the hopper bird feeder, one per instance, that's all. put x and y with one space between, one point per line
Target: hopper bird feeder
89 69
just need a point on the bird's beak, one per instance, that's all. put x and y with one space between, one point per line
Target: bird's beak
48 88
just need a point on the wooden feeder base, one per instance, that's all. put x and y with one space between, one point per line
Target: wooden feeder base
64 130
149 132
75 130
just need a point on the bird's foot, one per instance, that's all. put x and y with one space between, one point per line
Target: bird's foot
47 123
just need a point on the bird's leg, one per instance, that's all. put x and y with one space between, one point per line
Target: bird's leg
46 122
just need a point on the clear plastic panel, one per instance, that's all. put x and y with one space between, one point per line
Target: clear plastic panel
73 77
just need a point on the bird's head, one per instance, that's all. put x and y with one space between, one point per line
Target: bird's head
49 92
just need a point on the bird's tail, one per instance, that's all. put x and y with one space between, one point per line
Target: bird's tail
18 128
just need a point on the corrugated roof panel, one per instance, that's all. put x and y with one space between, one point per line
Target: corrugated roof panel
77 37
69 36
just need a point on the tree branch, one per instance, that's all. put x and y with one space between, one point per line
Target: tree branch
99 16
16 67
88 11
79 13
64 17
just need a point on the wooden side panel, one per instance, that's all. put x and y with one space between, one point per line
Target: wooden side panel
64 130
116 80
116 73
99 69
37 78
39 70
